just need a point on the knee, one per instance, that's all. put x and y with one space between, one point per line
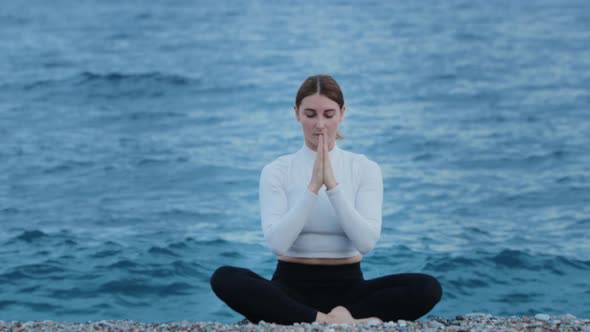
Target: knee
220 278
431 290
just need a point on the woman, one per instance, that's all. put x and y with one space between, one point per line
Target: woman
321 211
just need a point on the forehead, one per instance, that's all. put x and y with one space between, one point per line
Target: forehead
318 102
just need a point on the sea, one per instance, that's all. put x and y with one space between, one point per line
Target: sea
133 133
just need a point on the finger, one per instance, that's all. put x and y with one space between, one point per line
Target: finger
321 148
326 154
326 149
328 179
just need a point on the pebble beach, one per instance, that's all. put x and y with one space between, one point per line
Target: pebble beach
469 322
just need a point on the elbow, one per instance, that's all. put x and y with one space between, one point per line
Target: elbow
367 244
278 250
277 246
365 247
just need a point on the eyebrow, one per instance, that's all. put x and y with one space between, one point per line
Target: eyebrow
327 110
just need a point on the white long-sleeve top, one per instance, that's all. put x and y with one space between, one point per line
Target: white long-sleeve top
336 223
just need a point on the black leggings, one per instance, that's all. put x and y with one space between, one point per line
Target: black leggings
298 291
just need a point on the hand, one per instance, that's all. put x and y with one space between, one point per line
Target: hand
329 178
317 175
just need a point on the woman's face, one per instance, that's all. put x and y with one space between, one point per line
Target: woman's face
319 114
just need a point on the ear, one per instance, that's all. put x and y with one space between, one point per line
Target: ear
342 112
296 113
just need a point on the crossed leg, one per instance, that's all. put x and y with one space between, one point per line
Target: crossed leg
241 288
405 296
259 299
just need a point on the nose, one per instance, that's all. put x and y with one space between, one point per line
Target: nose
320 124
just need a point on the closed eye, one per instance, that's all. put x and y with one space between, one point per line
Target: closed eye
313 115
310 113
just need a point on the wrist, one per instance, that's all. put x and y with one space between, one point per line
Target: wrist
331 185
313 189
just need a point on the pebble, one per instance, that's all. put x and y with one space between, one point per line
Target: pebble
389 324
543 317
469 322
477 315
437 324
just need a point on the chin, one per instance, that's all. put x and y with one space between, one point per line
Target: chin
312 144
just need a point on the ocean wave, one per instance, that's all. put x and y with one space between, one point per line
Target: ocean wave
40 306
71 293
231 254
13 277
42 239
468 283
31 236
124 264
67 166
91 85
34 271
123 87
105 253
518 297
555 264
511 259
139 287
10 19
507 259
207 242
136 77
159 251
119 80
446 264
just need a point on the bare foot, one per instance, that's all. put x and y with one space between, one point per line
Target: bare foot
341 315
364 320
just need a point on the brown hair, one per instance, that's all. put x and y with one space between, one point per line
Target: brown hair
326 86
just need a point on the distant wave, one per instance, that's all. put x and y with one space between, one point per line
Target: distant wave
9 19
110 85
31 236
507 259
171 79
139 287
88 85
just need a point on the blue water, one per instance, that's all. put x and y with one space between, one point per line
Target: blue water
133 134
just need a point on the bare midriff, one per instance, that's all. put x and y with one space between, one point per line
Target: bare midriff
322 261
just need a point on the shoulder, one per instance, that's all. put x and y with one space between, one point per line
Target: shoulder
278 167
361 163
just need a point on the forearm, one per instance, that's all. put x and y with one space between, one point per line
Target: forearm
362 230
282 229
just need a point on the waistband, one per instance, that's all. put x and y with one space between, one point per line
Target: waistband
298 271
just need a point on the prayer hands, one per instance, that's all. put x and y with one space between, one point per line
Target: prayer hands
322 168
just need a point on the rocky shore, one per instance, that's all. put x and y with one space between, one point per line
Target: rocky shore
469 322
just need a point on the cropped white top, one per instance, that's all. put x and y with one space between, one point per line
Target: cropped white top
337 223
